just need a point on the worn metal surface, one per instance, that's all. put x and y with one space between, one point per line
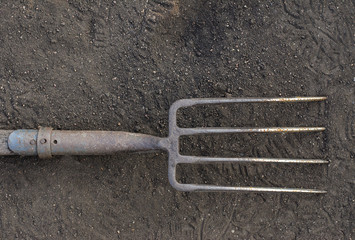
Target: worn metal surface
23 142
46 142
4 136
100 142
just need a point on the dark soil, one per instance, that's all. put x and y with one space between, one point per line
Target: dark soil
119 65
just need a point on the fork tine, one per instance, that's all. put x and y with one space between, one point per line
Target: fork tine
201 101
199 159
175 132
201 188
192 131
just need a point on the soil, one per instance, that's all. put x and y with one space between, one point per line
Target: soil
119 65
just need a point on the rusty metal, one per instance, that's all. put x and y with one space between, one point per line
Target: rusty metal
46 143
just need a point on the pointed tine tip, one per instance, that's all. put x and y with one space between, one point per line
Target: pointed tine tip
302 190
322 191
298 129
321 161
302 99
308 129
315 191
320 98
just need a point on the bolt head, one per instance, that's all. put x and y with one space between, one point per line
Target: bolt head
43 141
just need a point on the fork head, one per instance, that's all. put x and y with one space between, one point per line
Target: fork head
175 158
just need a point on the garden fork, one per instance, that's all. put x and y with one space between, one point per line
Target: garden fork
46 142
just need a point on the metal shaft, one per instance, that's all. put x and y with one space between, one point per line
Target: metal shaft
46 142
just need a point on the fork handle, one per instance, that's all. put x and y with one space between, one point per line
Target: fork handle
46 142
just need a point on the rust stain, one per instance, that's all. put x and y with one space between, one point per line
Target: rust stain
176 8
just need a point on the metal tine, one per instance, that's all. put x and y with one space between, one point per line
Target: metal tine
207 130
200 159
202 101
201 188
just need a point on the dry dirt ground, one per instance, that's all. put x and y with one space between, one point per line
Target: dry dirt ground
119 65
